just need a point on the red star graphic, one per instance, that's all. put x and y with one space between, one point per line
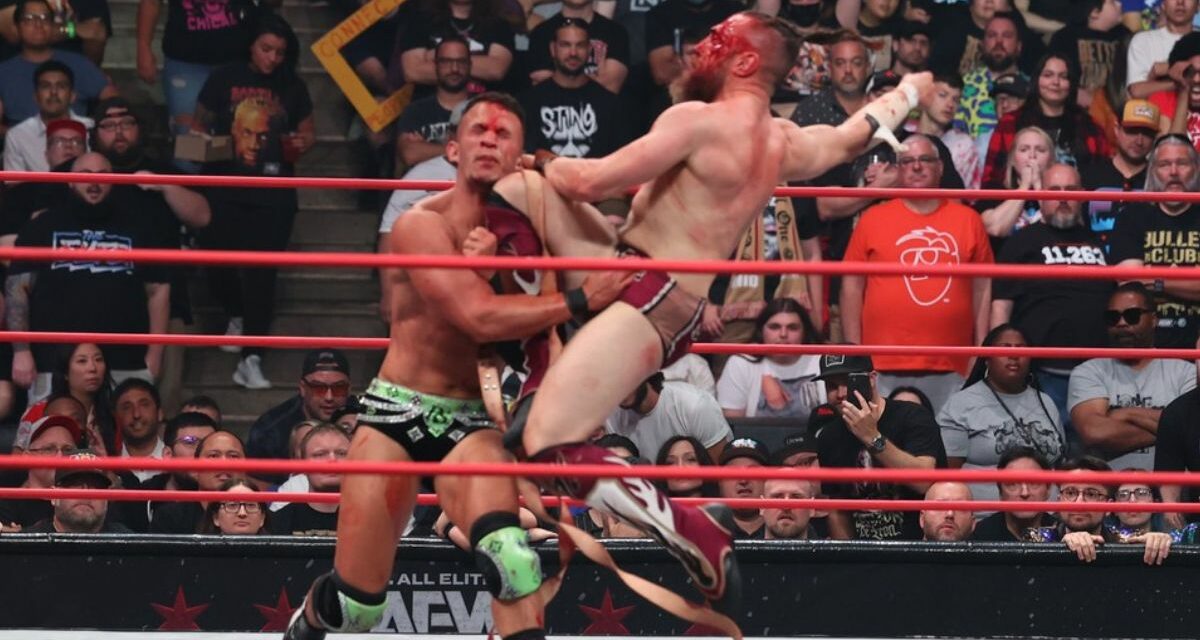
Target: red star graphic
606 620
279 615
179 616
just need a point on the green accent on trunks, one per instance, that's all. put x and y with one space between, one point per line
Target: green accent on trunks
439 412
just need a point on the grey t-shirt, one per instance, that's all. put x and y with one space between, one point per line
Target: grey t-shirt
1152 387
975 426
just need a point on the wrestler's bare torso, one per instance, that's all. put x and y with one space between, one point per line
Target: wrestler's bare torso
700 208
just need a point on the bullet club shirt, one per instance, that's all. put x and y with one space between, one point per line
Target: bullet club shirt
1144 232
577 123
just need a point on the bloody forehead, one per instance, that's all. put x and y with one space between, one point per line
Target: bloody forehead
493 116
731 34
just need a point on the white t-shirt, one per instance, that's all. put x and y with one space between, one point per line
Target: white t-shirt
1145 49
1153 387
792 392
693 370
682 410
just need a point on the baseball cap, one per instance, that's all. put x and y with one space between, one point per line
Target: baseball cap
745 448
1141 114
793 444
65 123
63 475
910 28
1012 84
113 107
325 360
835 365
883 80
28 432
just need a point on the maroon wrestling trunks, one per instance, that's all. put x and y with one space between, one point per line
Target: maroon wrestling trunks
675 313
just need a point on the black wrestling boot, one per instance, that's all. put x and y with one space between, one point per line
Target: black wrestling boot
300 629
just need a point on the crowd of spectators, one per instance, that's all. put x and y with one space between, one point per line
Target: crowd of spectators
1031 94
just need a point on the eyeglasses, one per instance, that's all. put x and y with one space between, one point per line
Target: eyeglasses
36 17
188 440
338 389
68 143
1131 316
50 450
909 161
127 124
1072 494
251 508
1141 494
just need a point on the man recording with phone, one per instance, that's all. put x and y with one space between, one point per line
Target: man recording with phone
873 433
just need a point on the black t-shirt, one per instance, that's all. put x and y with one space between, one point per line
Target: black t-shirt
24 199
666 22
1056 313
300 519
422 32
83 296
1102 175
608 39
208 32
758 534
994 529
268 437
907 426
427 117
47 526
1094 52
25 512
178 517
1178 446
958 43
1144 232
578 123
379 40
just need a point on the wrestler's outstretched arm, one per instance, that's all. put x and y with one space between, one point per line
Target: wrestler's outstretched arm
467 301
671 140
815 149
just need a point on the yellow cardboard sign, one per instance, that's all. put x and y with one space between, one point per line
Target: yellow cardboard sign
328 51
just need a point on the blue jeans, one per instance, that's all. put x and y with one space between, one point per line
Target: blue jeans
182 82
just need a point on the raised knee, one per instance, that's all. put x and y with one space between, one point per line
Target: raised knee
510 566
344 609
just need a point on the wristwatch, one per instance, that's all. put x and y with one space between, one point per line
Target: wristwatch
877 444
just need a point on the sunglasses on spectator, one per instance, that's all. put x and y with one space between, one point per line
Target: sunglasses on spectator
338 389
1141 494
1131 316
251 508
1072 494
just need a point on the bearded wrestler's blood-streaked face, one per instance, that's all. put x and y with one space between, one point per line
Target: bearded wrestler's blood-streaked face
704 80
488 145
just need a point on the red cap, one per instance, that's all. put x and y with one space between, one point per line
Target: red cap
66 123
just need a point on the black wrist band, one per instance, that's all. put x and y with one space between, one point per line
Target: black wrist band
871 121
577 304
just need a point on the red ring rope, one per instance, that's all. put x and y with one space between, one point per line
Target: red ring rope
140 495
441 185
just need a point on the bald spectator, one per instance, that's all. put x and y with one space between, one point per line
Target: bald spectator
788 523
947 525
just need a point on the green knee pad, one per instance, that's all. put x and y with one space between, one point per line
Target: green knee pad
511 568
340 608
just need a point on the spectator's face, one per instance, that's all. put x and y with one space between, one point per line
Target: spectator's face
62 146
1134 143
1007 372
55 441
218 446
1054 84
452 65
983 10
1110 15
1030 150
570 50
1122 333
742 488
69 407
34 26
1179 12
783 328
326 446
1024 491
117 133
240 514
787 522
1001 46
323 393
85 372
1173 167
1081 492
137 416
913 52
920 166
1194 92
187 439
1134 493
849 66
880 9
489 142
81 516
1006 104
681 454
945 104
837 390
947 525
94 192
267 53
53 95
1061 214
